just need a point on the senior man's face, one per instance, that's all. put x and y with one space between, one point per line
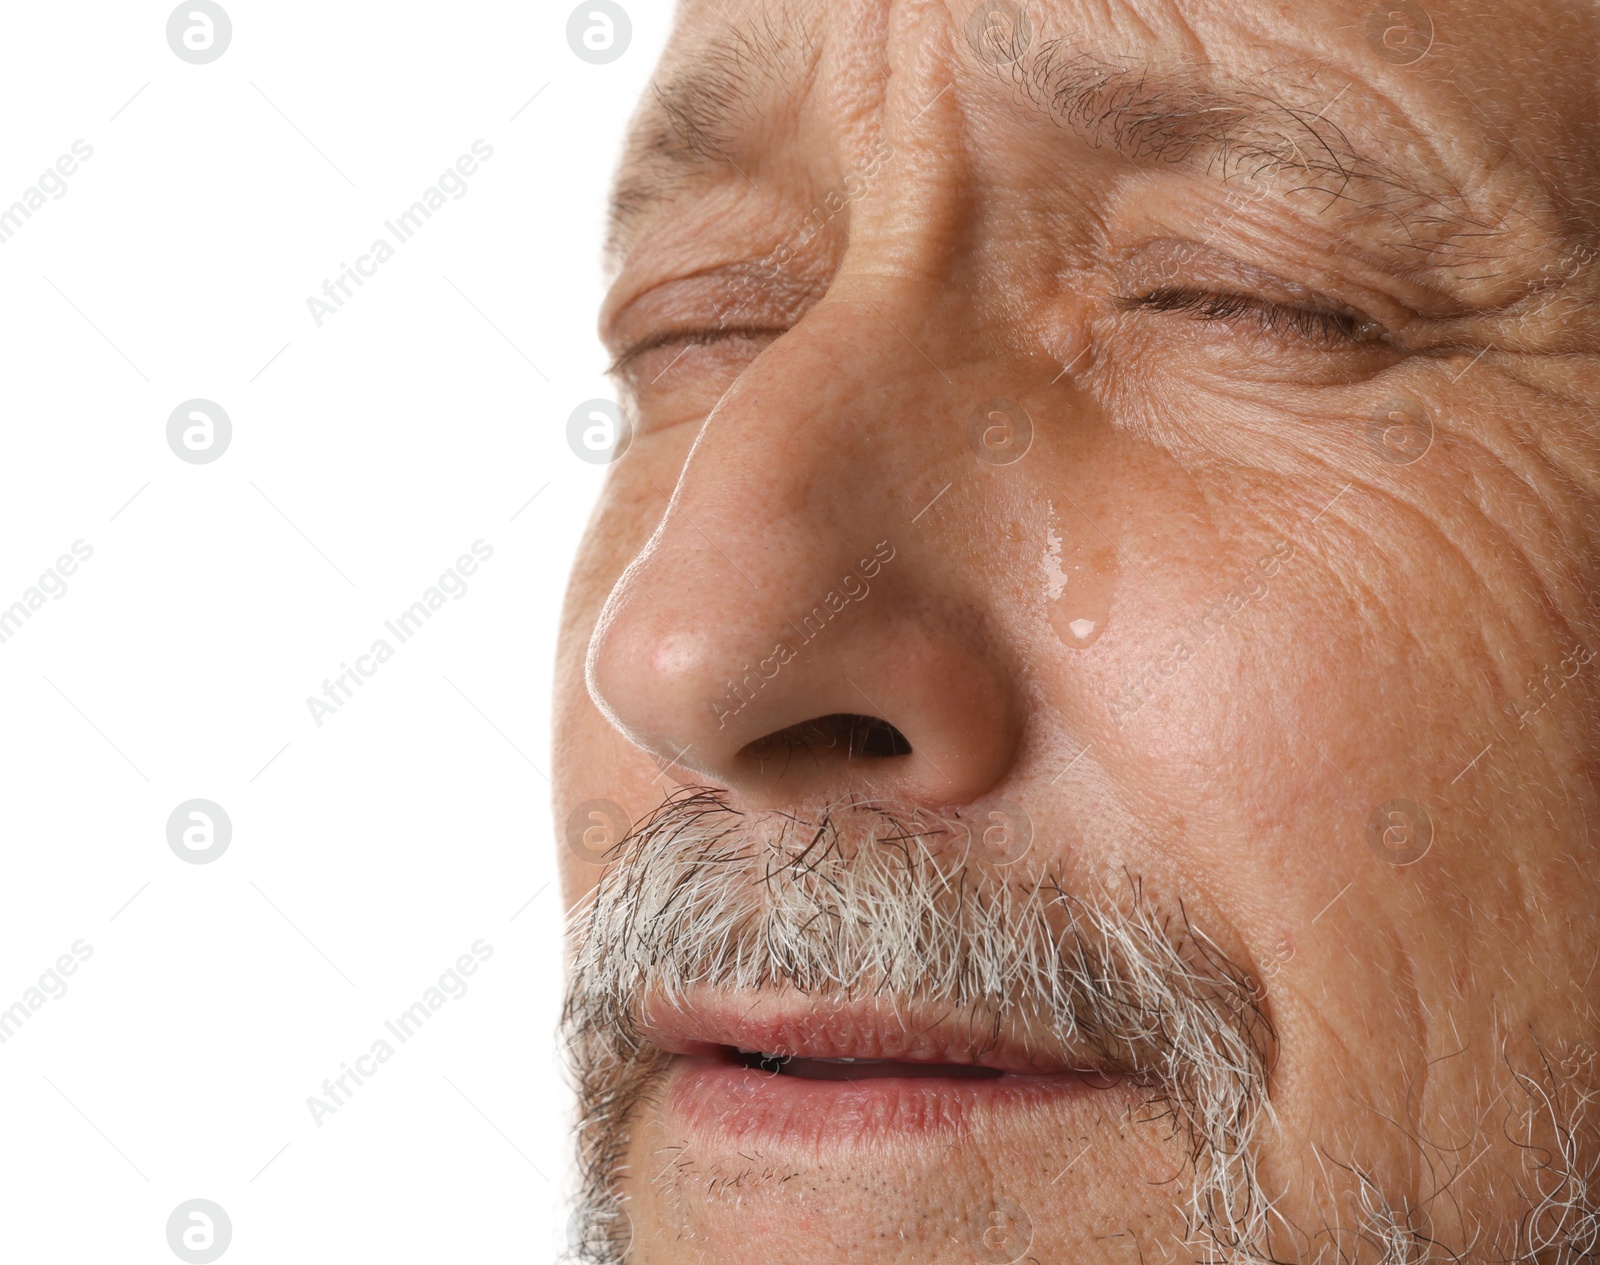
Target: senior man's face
1094 634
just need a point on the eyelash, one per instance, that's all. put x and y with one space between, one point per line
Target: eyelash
1278 319
689 338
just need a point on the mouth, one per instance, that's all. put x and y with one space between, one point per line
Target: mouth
855 1069
783 1073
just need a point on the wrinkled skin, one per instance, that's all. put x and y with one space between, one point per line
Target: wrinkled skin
1408 606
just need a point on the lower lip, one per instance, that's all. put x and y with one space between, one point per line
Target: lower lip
722 1101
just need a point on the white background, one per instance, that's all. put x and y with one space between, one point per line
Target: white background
369 853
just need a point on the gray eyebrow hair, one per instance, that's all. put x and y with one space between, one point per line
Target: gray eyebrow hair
1237 129
1184 115
698 112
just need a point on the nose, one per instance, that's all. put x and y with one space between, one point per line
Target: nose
795 631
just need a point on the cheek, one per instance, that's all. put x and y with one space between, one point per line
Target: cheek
1442 557
1375 665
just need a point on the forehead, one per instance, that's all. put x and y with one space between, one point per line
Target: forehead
1406 111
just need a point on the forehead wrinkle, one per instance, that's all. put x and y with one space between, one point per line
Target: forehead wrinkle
1189 114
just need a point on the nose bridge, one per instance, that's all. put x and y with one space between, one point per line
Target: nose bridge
810 423
819 436
908 220
783 492
786 587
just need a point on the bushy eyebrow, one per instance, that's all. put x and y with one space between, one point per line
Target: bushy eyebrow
1231 129
699 112
1237 129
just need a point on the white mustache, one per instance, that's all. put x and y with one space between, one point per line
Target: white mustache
882 902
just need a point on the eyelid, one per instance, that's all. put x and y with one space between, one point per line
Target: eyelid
1304 319
691 335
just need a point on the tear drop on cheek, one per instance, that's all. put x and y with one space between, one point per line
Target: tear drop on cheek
1081 570
1081 613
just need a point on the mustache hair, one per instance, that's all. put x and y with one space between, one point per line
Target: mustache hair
886 902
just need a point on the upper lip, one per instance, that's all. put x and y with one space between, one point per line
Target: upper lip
788 1023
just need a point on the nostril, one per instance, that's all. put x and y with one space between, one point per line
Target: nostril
880 738
842 735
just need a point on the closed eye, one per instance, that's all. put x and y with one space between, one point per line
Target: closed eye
1282 320
683 339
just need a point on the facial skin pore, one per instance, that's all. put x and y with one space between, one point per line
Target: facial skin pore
1172 427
